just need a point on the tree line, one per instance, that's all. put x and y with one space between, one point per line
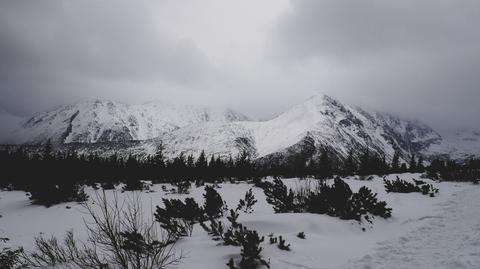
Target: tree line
25 170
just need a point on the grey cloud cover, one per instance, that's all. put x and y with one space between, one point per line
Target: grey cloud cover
52 49
420 59
412 57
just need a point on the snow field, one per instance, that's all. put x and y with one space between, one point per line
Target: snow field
423 232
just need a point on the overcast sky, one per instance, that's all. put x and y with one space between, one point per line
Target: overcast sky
420 59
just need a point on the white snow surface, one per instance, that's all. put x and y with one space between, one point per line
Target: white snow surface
423 232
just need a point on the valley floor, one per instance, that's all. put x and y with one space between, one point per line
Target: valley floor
424 232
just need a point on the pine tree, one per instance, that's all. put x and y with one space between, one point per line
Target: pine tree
420 166
349 165
413 165
201 161
190 161
395 162
324 166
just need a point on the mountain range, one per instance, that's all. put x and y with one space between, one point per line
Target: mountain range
319 123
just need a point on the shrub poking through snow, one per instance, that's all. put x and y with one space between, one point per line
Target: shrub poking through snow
336 200
179 217
183 186
216 229
246 204
237 234
135 184
282 245
364 201
399 185
278 195
301 235
251 250
11 258
403 186
272 239
214 205
118 237
51 194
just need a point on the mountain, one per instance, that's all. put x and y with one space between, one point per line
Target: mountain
320 123
458 144
109 121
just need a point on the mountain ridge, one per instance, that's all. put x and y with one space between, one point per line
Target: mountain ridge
319 123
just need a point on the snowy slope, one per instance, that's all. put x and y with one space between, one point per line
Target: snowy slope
318 123
323 121
109 121
341 128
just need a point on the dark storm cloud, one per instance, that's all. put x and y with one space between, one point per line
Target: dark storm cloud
53 50
420 57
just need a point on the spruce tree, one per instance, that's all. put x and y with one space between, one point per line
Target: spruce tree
325 166
395 162
413 164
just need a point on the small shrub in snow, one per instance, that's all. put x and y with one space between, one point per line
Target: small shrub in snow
134 184
183 186
251 250
364 202
403 186
179 217
216 229
236 234
246 204
214 205
51 194
11 258
278 195
399 185
272 239
301 235
282 245
336 200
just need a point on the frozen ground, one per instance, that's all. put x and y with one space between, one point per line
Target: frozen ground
424 232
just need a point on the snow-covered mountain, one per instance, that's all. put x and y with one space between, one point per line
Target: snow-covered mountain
319 123
316 124
108 121
458 144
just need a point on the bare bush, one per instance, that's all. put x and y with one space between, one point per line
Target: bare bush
118 237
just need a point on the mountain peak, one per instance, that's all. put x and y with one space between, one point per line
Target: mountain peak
320 97
322 100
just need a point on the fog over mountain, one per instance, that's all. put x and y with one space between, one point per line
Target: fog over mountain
416 59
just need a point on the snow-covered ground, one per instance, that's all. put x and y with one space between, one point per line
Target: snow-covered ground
424 232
